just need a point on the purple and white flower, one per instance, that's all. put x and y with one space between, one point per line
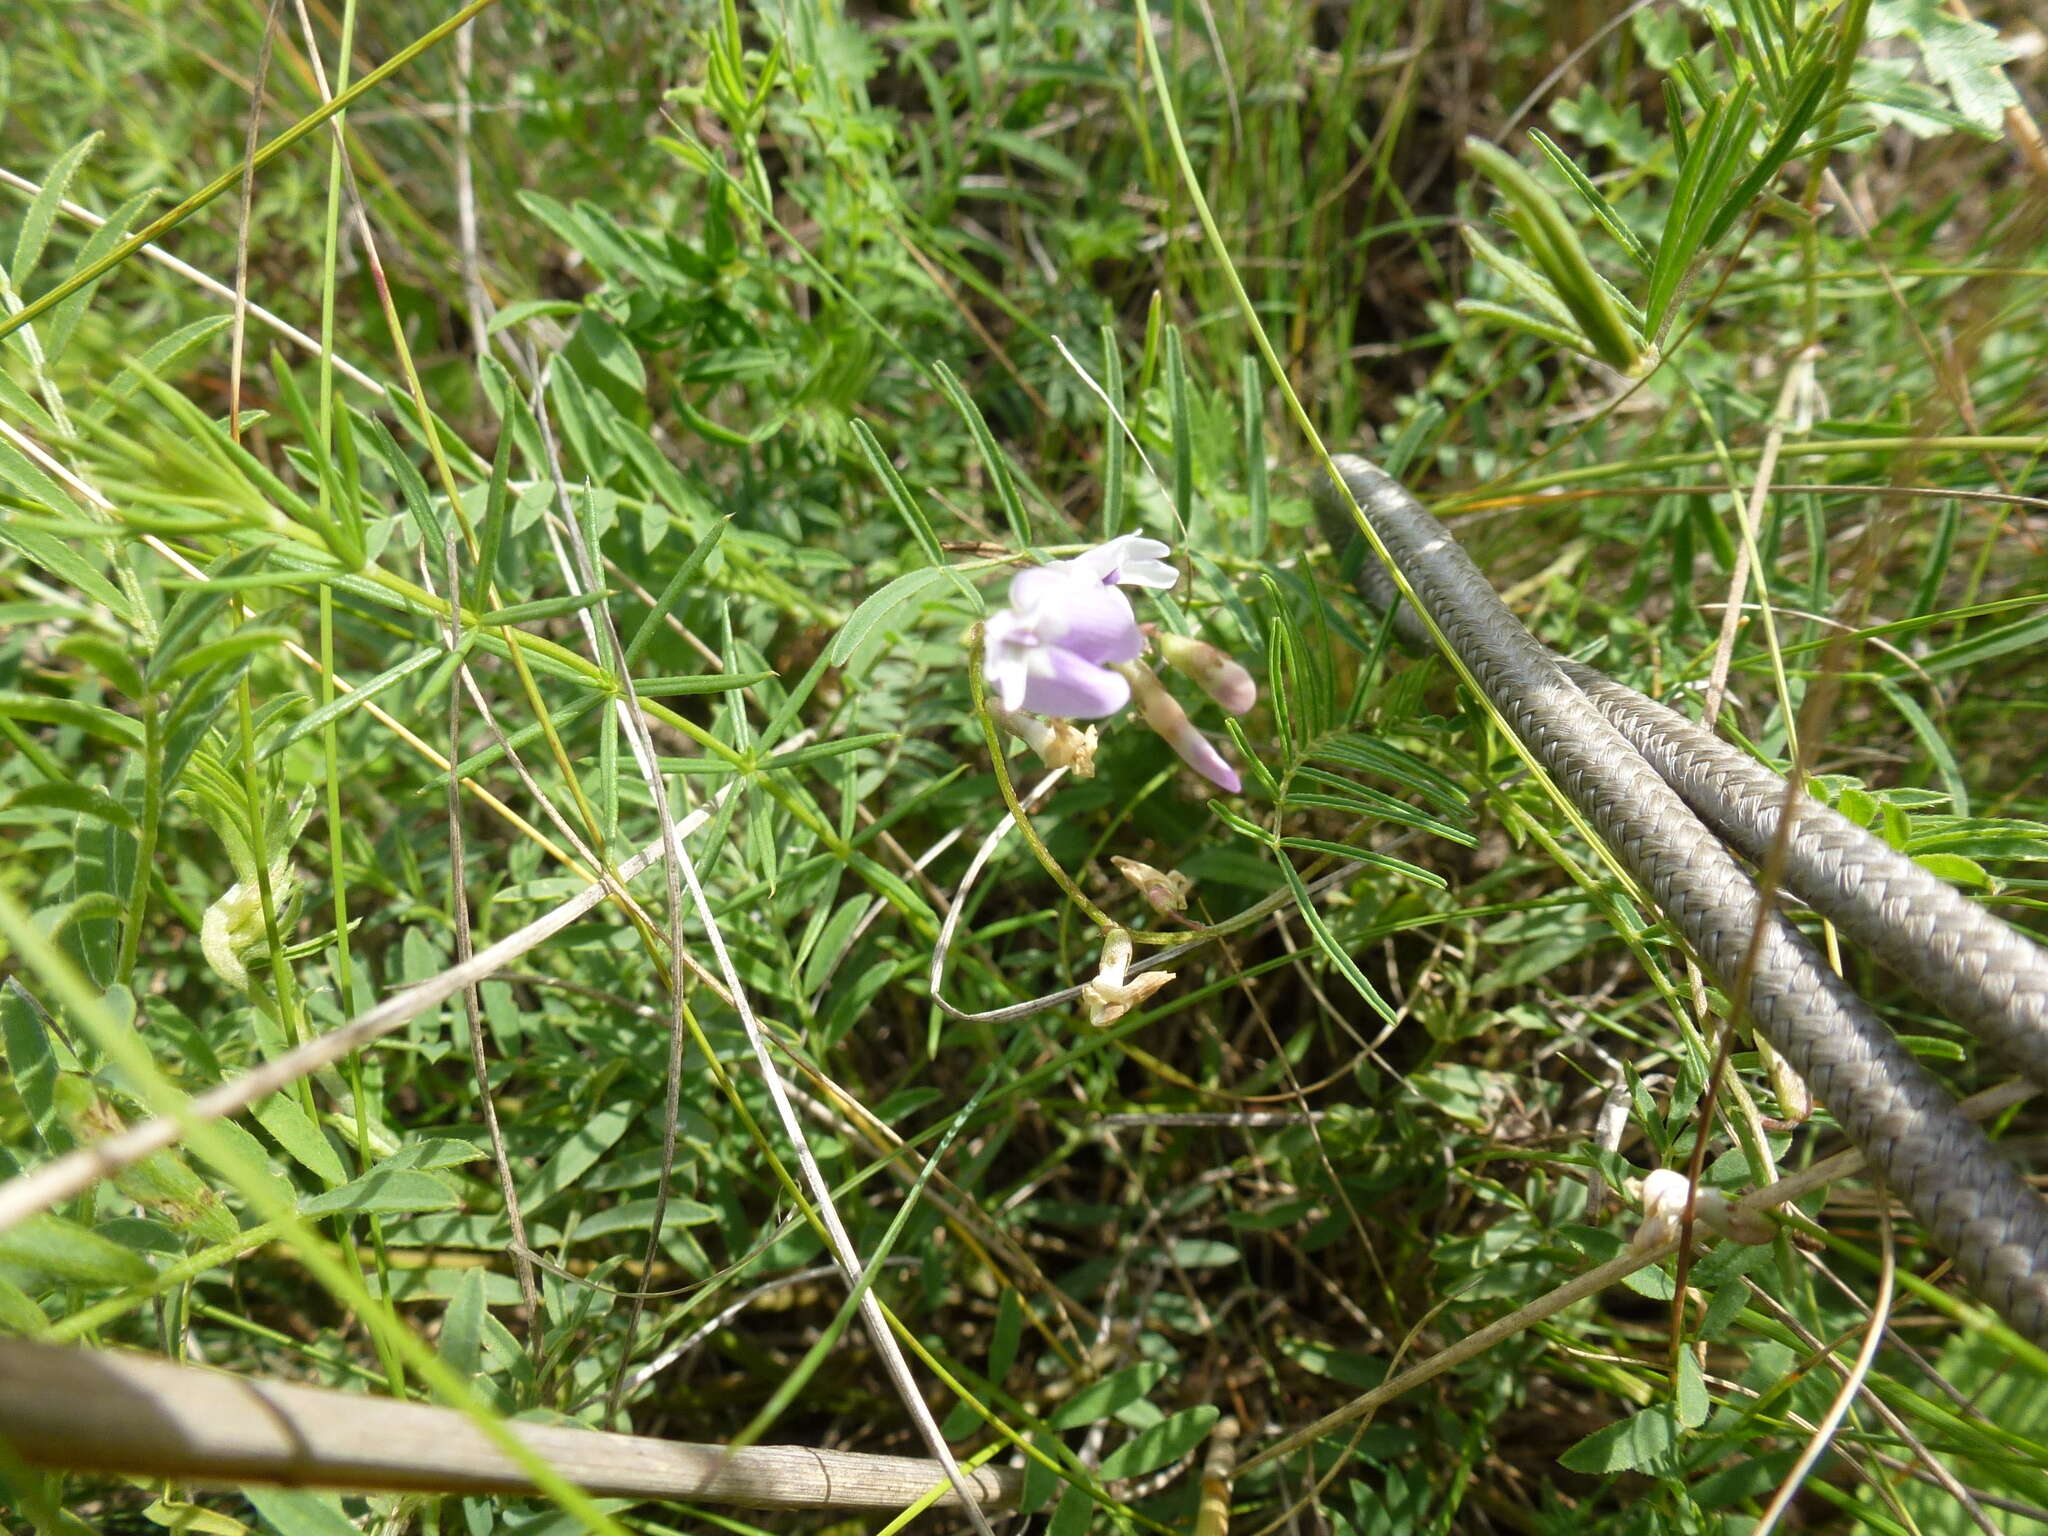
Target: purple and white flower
1068 647
1051 650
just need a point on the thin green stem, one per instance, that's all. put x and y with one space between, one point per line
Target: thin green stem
164 224
145 836
992 735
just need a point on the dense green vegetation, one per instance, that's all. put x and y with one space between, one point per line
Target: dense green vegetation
743 357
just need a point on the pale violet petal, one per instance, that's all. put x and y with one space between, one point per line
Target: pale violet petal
1005 631
1008 645
1058 605
1071 687
1041 589
1156 574
1095 623
1131 560
1196 751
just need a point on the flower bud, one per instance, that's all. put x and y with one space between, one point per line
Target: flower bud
1795 1099
1162 712
233 925
1214 671
1664 1197
1163 890
1109 996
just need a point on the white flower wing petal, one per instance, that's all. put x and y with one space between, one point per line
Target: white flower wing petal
1130 560
1006 657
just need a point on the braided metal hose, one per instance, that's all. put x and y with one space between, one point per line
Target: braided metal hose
1986 975
1983 973
1975 1205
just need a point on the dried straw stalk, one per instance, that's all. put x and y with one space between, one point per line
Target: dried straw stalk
98 1411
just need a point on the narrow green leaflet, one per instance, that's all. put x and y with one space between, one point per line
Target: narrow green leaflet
93 719
991 453
63 562
580 1150
1366 856
295 1512
1632 1444
347 703
159 358
880 608
1074 1513
31 1060
1105 1398
899 494
677 590
1550 238
1328 942
462 1325
542 608
286 1119
63 1250
698 682
79 799
386 1190
1166 1441
42 212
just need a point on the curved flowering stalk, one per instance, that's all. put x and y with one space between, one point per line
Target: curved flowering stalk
978 685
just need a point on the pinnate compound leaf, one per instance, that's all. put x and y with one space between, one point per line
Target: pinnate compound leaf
1964 57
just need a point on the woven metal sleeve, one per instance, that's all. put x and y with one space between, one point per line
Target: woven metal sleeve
1979 971
1983 973
1973 1204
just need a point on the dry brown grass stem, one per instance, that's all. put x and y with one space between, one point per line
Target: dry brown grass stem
1212 1516
129 1414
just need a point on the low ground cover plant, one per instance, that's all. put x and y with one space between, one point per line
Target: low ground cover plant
442 450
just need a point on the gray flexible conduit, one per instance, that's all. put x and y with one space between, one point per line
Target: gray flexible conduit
1986 975
1663 794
